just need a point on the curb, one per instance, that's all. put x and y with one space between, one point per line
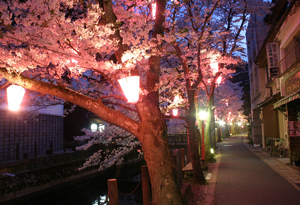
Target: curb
209 198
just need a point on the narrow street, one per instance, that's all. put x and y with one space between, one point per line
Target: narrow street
244 179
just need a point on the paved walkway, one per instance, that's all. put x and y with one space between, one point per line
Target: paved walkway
280 165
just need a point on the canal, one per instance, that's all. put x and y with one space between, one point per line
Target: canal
89 190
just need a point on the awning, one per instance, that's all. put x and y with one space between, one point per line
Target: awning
287 99
269 100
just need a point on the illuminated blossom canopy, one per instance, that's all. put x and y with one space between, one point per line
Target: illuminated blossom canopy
78 50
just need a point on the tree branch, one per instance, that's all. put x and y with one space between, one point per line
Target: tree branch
213 84
95 106
184 65
200 76
207 18
205 87
240 28
113 96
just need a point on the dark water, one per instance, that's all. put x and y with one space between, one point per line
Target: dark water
89 191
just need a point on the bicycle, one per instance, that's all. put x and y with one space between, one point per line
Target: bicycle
268 144
277 147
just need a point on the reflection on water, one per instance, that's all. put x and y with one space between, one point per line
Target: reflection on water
133 199
86 191
101 201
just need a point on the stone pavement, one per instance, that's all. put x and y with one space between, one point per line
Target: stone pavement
281 165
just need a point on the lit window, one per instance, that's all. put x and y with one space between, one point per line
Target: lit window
93 127
101 127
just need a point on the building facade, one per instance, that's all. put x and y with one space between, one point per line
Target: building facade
274 71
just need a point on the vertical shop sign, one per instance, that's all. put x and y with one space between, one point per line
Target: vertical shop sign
294 127
273 59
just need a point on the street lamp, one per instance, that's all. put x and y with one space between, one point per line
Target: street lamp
202 116
15 94
215 68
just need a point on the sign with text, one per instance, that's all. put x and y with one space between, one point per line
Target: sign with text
294 128
273 58
292 84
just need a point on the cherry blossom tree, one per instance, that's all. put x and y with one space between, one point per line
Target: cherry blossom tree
200 34
205 34
228 103
45 43
77 50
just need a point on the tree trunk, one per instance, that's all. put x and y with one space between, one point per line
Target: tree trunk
219 133
207 135
153 137
162 173
227 131
192 142
199 131
212 119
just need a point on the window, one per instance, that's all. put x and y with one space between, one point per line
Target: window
291 52
94 127
101 127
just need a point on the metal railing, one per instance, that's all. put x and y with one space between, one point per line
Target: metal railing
177 138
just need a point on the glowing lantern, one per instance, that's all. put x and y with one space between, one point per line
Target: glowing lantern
131 87
15 95
214 67
177 100
153 10
175 112
219 80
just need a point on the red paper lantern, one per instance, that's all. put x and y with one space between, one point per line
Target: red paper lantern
219 80
215 67
131 87
175 112
153 10
15 95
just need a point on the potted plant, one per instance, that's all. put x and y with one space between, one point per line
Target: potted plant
296 157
